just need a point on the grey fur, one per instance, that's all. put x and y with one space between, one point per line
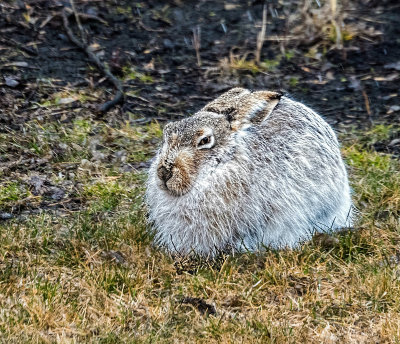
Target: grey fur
266 182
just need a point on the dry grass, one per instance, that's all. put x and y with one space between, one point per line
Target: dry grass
313 29
92 276
326 25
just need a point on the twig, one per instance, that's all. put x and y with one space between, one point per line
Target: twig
102 67
19 64
196 43
366 101
142 25
334 16
19 45
84 16
78 22
261 35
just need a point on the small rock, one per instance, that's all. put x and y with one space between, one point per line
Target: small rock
11 82
395 65
56 193
326 66
115 256
393 108
179 15
200 304
120 155
5 216
325 240
391 261
37 183
354 83
168 43
93 11
86 164
76 147
62 37
394 142
100 54
330 76
98 156
143 165
63 146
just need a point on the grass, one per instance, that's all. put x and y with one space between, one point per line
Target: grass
131 74
65 97
10 193
237 64
91 275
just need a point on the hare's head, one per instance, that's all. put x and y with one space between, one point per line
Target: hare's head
198 144
188 145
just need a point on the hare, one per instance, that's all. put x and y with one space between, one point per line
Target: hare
249 170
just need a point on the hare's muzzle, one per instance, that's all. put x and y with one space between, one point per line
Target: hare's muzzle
164 174
175 171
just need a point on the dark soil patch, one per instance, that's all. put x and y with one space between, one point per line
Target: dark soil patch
391 146
156 39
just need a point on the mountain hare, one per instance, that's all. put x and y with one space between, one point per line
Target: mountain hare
249 170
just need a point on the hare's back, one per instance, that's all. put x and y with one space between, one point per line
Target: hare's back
292 120
297 141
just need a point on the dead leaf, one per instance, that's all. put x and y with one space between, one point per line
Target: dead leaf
229 7
16 64
95 47
389 77
67 100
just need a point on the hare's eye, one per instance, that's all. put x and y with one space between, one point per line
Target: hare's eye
204 141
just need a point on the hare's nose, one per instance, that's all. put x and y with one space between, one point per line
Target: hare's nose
164 174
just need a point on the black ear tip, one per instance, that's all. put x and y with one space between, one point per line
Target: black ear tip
283 93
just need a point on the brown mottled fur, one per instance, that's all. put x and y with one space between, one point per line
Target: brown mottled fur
244 106
183 169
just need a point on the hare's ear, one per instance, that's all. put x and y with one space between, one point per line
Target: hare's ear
242 107
266 102
226 103
254 108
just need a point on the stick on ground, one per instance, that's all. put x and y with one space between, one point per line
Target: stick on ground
95 60
10 41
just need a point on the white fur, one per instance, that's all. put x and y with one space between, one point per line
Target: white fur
277 183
